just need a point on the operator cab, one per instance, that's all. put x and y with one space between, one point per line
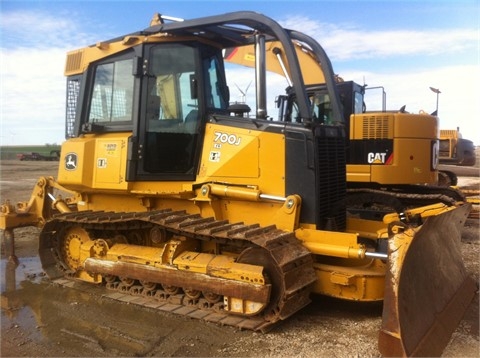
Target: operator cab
160 92
183 83
351 99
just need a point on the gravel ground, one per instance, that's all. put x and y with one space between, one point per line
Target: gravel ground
40 319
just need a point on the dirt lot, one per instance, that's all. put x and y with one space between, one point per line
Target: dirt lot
41 319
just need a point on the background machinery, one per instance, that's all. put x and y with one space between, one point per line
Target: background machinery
54 155
392 155
456 150
170 193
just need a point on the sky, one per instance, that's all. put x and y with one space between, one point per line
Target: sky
406 47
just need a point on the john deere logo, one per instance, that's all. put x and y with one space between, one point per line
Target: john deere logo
71 161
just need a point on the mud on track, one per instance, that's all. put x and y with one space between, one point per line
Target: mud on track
39 318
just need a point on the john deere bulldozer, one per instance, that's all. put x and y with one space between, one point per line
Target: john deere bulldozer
165 190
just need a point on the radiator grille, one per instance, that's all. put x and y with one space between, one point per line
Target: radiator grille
330 178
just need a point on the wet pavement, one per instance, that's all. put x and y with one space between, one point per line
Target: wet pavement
76 322
39 318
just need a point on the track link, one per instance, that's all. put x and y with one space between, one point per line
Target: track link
416 194
291 262
403 197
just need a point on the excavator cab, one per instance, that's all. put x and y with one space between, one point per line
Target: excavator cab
351 96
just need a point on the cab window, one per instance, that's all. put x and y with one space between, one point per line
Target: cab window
172 115
112 96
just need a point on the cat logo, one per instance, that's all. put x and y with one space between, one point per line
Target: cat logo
376 158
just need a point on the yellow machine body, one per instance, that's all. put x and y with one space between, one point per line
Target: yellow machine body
409 154
347 274
449 138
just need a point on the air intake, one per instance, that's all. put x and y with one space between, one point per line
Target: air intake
74 63
376 127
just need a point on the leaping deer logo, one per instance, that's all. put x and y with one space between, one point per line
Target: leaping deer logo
71 161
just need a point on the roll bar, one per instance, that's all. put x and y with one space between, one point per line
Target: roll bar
238 29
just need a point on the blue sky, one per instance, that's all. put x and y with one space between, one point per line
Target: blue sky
404 46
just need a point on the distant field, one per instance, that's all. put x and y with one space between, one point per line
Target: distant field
10 152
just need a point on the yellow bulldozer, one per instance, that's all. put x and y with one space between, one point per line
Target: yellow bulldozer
165 190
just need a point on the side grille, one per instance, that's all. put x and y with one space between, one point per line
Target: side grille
330 178
449 133
73 91
375 127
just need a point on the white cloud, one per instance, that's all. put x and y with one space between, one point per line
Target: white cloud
32 85
345 42
29 29
32 90
458 100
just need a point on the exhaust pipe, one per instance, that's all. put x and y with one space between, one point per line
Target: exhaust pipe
261 76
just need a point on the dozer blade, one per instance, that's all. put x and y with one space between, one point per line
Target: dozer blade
427 289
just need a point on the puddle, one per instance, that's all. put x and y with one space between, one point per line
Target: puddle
28 268
35 310
60 321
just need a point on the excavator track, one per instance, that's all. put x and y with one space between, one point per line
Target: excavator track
288 265
400 198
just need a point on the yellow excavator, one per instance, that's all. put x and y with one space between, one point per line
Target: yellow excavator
392 155
165 190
